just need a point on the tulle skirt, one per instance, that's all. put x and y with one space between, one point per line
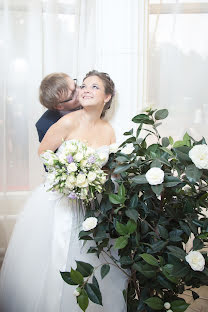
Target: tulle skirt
45 242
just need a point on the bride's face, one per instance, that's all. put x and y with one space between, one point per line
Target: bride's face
92 92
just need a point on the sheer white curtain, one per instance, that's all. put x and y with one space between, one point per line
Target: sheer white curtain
178 65
74 36
36 38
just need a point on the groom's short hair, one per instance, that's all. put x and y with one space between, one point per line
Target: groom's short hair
52 87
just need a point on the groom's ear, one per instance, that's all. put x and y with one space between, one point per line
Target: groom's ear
59 106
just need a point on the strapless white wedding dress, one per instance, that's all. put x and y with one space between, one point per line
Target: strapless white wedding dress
45 242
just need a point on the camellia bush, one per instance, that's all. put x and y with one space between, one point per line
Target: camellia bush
153 207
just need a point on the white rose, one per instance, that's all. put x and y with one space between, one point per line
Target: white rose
155 176
62 158
128 149
81 180
113 148
78 156
89 151
70 182
91 176
195 260
72 148
167 305
103 179
76 292
72 167
103 156
199 156
169 310
48 157
83 163
89 224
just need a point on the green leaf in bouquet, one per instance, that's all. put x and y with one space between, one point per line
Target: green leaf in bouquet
84 235
166 150
93 293
177 252
149 259
95 282
179 305
157 189
122 168
185 228
126 260
100 235
130 132
193 173
164 282
131 226
165 142
203 235
121 190
67 278
139 179
155 163
158 246
187 139
105 206
175 235
84 268
104 270
197 244
134 201
116 199
154 303
139 130
83 300
182 153
121 228
178 144
171 181
143 118
132 214
162 231
76 277
171 140
167 270
161 114
121 242
92 250
145 269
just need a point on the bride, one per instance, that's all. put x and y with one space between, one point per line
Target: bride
45 238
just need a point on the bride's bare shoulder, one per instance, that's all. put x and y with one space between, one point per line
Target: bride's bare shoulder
70 119
109 130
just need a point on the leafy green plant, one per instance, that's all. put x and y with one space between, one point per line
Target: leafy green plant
151 214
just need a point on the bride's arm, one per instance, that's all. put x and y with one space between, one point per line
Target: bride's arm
55 135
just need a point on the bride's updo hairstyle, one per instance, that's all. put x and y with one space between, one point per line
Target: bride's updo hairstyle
108 85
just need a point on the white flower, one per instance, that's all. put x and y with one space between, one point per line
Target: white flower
83 193
62 158
70 181
89 151
155 176
195 260
81 180
72 167
199 156
170 310
78 156
83 163
128 149
76 292
113 148
167 305
72 147
91 176
103 156
89 224
48 157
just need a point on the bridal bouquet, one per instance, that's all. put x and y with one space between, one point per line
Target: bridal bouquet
157 215
75 170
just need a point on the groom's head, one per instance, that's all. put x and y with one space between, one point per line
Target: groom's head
58 91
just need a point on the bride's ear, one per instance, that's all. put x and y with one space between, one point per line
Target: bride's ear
107 99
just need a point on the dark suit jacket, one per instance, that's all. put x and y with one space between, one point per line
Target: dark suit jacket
46 121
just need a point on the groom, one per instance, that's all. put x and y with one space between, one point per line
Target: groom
59 94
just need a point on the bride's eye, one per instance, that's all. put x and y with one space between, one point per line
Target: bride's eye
95 87
82 86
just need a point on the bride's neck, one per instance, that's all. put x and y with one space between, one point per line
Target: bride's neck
91 115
